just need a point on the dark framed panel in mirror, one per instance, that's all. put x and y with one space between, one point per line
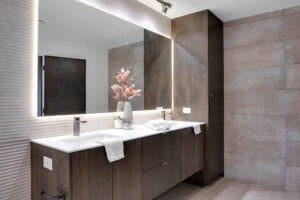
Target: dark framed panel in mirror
81 51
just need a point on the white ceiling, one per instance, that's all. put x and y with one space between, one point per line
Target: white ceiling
72 21
226 10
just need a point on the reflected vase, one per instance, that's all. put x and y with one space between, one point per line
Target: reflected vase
128 116
120 106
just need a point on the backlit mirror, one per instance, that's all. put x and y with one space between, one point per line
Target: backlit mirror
81 50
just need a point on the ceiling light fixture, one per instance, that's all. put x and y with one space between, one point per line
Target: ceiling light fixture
165 6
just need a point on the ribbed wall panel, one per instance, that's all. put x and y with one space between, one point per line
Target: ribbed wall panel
18 123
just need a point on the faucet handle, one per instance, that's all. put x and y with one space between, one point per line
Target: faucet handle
78 119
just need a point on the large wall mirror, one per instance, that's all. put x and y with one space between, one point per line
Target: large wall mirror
81 50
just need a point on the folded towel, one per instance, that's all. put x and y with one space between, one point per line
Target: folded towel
159 124
197 129
159 128
114 148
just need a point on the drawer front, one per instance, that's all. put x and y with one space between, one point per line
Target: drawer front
160 179
160 148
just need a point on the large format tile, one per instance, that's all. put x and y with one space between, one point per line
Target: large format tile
261 78
258 32
293 77
292 179
252 126
269 174
292 153
255 55
293 128
255 102
293 102
292 51
292 29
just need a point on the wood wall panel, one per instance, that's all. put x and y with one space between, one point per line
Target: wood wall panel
157 71
18 121
190 37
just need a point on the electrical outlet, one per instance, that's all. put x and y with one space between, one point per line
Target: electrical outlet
47 163
186 110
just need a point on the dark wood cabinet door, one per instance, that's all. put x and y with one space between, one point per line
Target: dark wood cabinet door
91 175
51 182
192 152
160 148
65 86
160 179
127 173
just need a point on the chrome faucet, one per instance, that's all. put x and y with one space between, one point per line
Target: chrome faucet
76 125
163 114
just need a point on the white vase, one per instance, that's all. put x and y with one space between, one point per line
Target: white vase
128 116
120 106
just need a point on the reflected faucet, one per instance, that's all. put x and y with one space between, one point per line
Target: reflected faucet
76 125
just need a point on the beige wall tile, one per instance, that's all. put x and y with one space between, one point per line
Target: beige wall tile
268 173
261 78
292 179
293 129
292 154
293 77
291 11
265 150
255 102
252 126
292 51
293 102
254 56
258 32
292 28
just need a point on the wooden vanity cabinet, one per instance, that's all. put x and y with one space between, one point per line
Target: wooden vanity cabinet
161 163
152 165
192 152
127 173
80 175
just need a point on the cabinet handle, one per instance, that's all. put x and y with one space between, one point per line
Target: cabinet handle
60 196
164 163
211 95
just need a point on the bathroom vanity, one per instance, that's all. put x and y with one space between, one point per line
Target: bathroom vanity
155 161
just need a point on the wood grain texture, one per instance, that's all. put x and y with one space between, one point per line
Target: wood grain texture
52 182
127 173
157 71
18 71
192 153
91 175
160 179
199 83
158 149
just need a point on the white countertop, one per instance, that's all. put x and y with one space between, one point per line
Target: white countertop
70 143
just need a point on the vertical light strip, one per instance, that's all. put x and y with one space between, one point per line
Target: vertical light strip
34 62
172 69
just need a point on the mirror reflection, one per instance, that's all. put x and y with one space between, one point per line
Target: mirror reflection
84 54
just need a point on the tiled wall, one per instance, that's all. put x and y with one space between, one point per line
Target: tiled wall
18 121
262 99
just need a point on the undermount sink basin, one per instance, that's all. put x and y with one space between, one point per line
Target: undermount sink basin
85 139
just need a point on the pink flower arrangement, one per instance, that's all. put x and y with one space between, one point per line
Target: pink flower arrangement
122 90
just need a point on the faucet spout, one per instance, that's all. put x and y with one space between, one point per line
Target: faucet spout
76 125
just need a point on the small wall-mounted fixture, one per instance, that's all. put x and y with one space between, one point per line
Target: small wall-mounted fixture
165 6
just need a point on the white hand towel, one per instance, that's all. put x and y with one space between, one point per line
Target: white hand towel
197 129
114 148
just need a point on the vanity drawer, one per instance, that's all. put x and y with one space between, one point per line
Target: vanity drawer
159 149
158 180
